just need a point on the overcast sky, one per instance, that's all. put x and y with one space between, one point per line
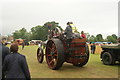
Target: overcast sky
92 16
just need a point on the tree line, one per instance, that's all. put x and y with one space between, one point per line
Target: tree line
40 33
99 38
36 33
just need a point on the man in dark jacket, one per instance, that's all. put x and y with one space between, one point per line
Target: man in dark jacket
69 34
15 65
4 51
68 31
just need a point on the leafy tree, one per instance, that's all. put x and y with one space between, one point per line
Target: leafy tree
112 38
37 33
53 25
41 32
22 33
99 37
16 34
92 38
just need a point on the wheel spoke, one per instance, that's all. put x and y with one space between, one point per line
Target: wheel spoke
49 48
40 51
53 45
52 61
39 59
39 55
55 51
55 55
49 55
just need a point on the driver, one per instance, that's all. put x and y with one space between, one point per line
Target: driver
68 31
69 34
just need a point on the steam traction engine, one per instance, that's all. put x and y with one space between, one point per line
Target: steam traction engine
57 52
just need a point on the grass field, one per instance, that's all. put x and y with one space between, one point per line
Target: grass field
93 69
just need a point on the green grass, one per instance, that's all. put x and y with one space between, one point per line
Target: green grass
93 69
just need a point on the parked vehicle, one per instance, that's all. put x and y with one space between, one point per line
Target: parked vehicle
110 54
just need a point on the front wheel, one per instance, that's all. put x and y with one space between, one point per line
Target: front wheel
40 55
107 58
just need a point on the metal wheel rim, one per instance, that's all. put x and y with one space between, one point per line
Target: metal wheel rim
51 55
40 55
106 58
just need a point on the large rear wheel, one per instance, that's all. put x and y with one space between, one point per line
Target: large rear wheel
54 54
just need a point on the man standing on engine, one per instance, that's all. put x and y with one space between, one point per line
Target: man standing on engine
69 34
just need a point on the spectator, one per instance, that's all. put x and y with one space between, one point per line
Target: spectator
93 47
82 34
15 65
23 44
5 52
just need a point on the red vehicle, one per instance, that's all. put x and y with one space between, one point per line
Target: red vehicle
57 52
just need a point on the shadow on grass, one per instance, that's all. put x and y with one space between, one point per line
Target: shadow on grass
70 67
